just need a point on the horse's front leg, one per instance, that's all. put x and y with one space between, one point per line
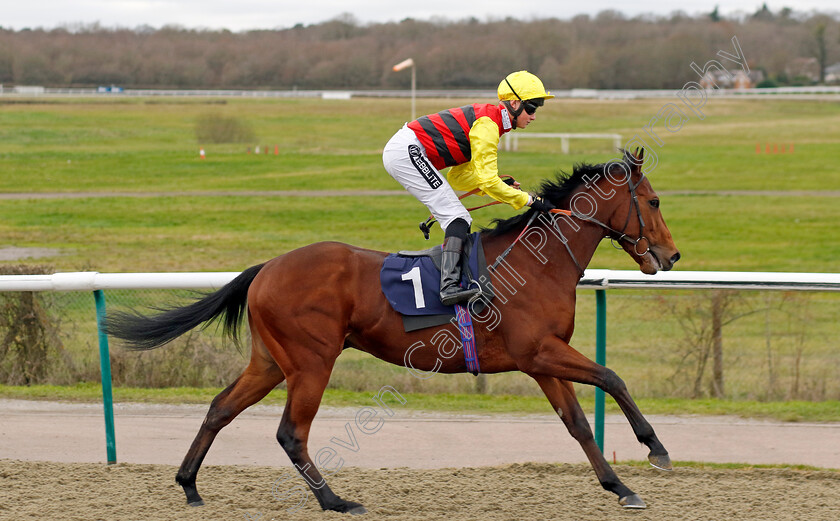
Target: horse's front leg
555 357
561 394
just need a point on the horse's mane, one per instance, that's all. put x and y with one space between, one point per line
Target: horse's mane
556 191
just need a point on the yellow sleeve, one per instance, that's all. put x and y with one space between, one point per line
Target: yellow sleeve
482 170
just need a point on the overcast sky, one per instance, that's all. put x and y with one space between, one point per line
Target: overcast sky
240 15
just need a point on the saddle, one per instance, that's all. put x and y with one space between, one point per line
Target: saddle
410 281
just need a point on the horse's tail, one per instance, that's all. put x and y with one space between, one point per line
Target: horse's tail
143 332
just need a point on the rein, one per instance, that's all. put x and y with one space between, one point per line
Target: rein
426 226
622 236
504 254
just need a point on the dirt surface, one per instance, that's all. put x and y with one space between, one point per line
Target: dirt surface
416 466
87 491
13 253
161 434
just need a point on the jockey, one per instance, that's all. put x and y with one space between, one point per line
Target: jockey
466 139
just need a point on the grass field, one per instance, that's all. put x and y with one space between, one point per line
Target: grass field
148 145
141 145
790 411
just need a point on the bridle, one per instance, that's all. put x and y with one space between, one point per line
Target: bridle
621 235
614 235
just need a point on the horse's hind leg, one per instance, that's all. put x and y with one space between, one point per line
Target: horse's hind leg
305 388
561 394
259 378
616 388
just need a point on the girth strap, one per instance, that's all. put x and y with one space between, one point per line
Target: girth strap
465 327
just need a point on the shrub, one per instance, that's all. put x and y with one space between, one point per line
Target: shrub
194 360
215 128
29 332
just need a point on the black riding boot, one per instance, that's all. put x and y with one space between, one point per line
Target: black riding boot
450 273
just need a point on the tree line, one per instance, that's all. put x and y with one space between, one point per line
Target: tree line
606 51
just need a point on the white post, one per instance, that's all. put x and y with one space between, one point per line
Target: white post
413 92
404 65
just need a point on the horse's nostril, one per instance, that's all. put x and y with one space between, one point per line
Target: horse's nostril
675 257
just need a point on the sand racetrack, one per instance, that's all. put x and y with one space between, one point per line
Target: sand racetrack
88 491
419 466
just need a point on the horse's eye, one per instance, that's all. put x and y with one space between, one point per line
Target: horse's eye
654 203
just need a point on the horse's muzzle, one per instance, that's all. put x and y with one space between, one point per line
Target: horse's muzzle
666 266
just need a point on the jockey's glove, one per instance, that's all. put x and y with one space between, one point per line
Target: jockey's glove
541 205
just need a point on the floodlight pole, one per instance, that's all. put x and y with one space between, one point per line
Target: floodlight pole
413 92
403 65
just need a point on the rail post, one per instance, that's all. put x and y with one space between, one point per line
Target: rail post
105 369
600 358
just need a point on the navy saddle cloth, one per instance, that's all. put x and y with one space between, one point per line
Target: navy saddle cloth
411 283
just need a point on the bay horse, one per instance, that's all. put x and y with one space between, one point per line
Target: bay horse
306 306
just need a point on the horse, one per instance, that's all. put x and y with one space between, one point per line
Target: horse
308 305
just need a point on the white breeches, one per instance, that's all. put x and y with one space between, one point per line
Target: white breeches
405 159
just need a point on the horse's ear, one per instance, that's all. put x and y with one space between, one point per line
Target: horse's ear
634 159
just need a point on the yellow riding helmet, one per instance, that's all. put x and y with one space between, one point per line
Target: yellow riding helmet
522 85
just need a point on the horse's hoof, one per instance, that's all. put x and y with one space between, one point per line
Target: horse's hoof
348 507
357 511
661 461
193 498
633 501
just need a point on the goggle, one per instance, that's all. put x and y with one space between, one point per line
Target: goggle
530 106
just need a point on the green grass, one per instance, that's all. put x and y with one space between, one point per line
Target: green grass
789 411
149 145
231 233
139 146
